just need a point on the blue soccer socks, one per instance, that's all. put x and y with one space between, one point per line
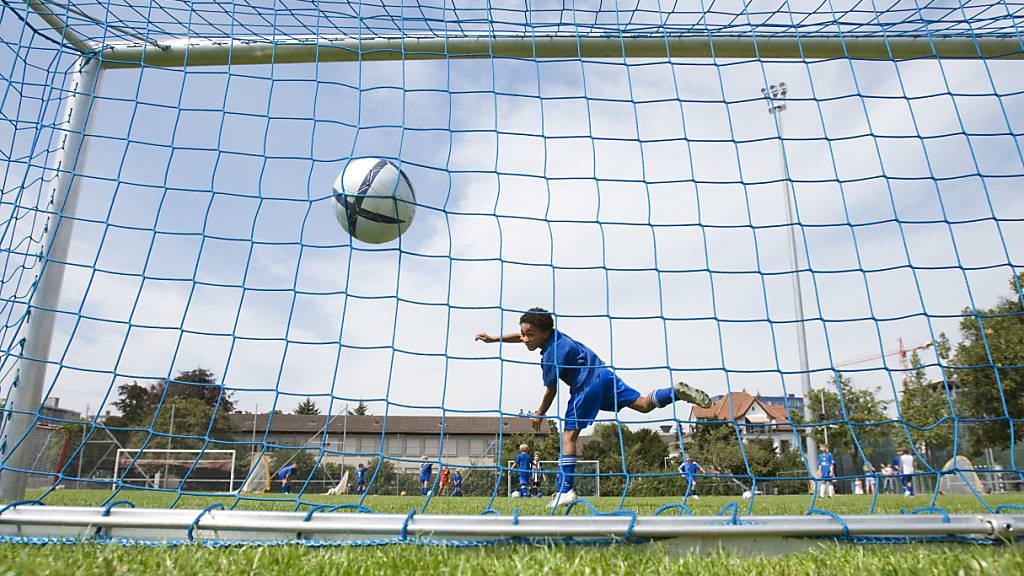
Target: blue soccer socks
663 397
567 477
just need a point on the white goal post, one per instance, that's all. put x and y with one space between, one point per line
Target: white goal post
153 467
588 477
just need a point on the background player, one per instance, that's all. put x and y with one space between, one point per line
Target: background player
360 478
426 471
906 470
689 470
536 477
457 483
285 475
592 387
523 462
827 470
442 487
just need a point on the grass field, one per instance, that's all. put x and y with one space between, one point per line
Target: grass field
827 557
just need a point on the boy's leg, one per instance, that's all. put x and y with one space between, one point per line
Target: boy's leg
567 465
662 397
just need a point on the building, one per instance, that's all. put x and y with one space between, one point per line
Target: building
758 420
51 412
468 440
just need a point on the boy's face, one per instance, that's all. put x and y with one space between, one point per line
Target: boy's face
533 337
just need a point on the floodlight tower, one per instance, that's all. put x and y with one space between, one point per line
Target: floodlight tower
775 94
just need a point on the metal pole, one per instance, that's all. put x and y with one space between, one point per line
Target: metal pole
297 49
344 438
776 96
170 434
27 392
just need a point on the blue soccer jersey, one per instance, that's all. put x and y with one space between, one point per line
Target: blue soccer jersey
566 359
825 464
523 462
361 475
287 471
425 471
689 469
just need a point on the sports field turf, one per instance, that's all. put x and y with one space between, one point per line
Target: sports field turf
826 558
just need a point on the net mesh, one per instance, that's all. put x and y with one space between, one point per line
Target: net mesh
641 200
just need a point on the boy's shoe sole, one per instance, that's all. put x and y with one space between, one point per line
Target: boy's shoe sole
692 395
563 499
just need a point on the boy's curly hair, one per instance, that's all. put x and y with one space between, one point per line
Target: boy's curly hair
538 318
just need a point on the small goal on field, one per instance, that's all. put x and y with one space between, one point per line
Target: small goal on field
170 469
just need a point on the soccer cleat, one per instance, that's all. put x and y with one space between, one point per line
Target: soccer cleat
562 499
692 395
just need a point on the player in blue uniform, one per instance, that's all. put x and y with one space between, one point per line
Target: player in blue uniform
360 478
426 470
457 483
285 475
592 387
827 469
689 470
522 463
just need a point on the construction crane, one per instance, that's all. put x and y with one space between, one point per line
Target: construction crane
903 352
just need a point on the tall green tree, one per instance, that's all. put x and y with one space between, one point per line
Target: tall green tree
987 356
846 410
193 403
307 408
924 406
359 410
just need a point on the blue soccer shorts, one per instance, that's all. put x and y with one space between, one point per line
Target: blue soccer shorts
524 478
607 392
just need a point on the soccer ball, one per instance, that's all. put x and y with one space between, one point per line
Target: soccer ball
746 494
515 494
374 200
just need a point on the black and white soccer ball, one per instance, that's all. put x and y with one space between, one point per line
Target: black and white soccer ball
374 200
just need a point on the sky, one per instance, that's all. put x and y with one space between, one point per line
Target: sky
642 201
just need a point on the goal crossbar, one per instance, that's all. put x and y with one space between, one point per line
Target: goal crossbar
221 52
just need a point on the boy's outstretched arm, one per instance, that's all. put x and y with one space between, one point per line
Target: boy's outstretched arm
545 403
513 337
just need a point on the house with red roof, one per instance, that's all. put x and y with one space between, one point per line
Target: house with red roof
756 418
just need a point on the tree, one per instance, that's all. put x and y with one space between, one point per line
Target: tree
991 348
359 410
199 406
923 405
644 453
307 408
847 411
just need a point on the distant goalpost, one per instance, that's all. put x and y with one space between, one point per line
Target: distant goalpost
166 468
80 47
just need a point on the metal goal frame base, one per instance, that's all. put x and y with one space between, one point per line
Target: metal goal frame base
36 523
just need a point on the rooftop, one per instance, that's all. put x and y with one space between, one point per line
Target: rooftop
375 424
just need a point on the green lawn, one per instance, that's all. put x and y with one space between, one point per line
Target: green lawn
827 557
843 504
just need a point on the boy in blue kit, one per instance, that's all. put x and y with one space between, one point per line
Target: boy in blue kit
457 483
689 470
827 467
285 475
523 462
592 387
426 470
360 478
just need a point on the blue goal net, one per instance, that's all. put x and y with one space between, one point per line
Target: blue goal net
809 211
